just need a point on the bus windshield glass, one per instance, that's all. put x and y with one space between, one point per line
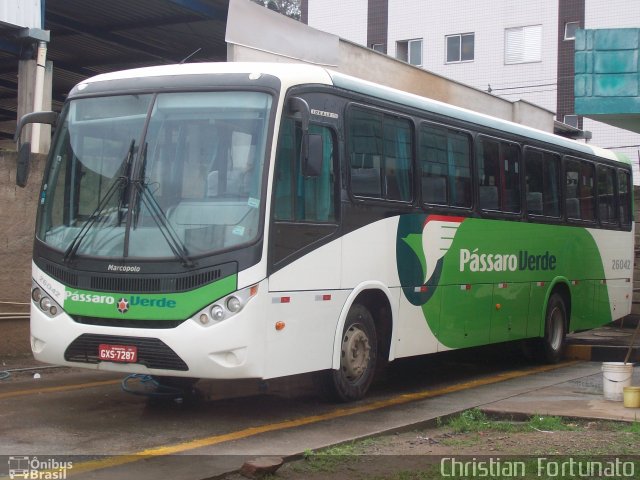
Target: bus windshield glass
156 176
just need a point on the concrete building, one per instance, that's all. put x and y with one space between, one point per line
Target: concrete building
512 49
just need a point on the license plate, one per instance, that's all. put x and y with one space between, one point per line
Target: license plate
118 353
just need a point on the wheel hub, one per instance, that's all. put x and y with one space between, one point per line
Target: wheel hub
355 353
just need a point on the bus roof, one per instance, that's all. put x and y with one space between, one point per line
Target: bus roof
298 74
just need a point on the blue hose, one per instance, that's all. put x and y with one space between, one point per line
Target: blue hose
4 375
161 391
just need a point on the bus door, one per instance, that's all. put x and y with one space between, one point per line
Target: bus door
304 257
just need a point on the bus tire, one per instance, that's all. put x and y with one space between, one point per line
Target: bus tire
555 330
358 357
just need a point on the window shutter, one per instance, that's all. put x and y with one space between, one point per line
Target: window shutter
523 44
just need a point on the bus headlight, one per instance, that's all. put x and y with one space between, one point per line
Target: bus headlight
233 304
217 313
36 294
225 307
45 304
43 301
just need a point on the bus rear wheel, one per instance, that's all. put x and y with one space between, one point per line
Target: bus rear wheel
358 356
555 330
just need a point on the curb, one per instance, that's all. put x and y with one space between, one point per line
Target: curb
601 353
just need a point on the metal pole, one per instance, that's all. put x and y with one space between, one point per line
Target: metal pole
38 94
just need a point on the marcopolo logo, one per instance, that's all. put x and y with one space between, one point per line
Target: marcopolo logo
123 268
476 261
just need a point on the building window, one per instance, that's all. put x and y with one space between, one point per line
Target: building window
410 51
570 30
460 48
523 44
571 120
379 47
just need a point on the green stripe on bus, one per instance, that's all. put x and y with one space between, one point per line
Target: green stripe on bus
141 306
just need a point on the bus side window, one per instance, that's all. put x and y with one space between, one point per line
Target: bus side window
624 197
397 158
606 195
380 151
446 172
510 162
534 182
489 174
498 175
288 145
300 198
587 191
542 185
580 184
572 178
366 153
317 194
551 188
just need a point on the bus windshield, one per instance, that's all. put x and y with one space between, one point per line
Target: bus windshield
155 176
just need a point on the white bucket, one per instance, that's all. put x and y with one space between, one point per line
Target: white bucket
615 376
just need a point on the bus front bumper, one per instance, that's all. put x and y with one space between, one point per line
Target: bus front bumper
230 349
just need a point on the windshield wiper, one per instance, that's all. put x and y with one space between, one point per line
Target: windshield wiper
173 240
72 249
122 180
176 245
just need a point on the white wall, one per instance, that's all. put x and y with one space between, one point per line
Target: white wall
23 13
345 18
433 20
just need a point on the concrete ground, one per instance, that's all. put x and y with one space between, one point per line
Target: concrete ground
216 438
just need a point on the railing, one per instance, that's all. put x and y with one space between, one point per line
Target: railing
14 311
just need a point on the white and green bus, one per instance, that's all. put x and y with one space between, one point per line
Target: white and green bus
256 221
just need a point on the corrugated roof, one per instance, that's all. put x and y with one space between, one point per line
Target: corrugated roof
89 37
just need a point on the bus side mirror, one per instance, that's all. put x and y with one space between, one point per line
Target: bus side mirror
24 164
312 145
24 151
312 163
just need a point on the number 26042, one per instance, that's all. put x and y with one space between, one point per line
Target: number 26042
621 264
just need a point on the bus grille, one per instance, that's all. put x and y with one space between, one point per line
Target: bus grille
127 284
126 323
63 275
152 352
137 283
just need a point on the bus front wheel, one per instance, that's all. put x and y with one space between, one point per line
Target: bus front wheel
358 356
552 344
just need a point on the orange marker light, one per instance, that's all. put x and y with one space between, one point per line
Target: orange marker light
498 306
280 326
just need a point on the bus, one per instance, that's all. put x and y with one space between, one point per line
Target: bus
246 220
